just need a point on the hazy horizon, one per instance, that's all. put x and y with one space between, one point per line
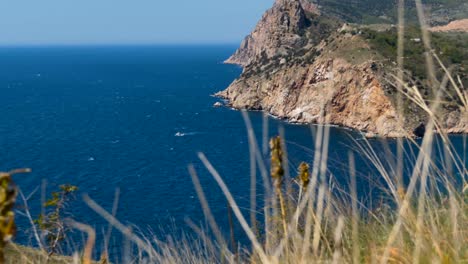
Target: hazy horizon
97 45
122 22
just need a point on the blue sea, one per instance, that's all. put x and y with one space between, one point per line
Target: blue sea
133 118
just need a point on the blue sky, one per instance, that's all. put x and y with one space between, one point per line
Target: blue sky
75 22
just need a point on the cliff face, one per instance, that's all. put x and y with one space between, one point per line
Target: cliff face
328 90
277 33
300 66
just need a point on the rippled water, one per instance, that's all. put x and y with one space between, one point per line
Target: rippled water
133 118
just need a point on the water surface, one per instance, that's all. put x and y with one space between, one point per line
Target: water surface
133 118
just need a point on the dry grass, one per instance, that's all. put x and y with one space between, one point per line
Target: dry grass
16 254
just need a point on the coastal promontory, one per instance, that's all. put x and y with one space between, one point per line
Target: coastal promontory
311 62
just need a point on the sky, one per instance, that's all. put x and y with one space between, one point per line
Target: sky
77 22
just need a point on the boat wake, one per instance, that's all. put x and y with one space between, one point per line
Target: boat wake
181 134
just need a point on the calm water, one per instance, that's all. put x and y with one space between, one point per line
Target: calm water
133 118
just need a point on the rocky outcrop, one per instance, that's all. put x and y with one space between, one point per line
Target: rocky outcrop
330 90
277 34
297 69
309 7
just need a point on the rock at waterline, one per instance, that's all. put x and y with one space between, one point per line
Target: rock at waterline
420 131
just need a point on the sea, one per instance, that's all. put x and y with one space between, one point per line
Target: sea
129 120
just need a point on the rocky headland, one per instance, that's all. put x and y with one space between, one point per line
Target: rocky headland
307 66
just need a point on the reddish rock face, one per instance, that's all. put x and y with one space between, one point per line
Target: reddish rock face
319 93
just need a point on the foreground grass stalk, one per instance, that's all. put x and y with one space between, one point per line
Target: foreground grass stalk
309 198
421 207
88 251
258 248
304 179
338 240
355 213
206 208
277 174
426 37
400 62
318 222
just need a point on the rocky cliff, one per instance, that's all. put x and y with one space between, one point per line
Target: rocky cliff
307 67
277 34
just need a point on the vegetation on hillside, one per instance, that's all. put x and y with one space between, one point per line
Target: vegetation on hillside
450 47
384 11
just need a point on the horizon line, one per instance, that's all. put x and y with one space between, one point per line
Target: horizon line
13 45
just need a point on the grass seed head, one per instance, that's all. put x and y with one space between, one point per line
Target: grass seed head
277 170
304 174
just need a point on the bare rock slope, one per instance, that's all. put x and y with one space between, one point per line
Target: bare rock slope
304 67
457 25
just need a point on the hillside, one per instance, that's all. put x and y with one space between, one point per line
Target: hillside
382 11
312 63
